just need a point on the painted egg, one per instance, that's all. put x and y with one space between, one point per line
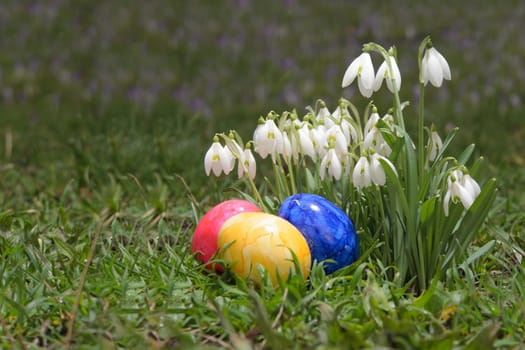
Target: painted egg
251 239
328 230
204 241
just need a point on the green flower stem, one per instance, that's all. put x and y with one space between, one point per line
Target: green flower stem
421 126
280 177
256 192
291 174
388 250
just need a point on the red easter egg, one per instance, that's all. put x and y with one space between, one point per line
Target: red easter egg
204 241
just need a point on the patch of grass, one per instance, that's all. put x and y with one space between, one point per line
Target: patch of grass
103 105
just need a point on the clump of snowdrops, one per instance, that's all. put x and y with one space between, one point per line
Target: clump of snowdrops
417 205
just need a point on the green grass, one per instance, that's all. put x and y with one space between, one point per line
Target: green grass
110 108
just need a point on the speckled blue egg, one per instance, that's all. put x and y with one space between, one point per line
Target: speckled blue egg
328 230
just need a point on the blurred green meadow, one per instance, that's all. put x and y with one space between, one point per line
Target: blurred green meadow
107 109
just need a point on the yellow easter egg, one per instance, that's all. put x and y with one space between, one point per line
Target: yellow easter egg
250 239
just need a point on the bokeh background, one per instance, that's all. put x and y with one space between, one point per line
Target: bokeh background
95 87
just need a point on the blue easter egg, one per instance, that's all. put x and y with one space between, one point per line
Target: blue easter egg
328 230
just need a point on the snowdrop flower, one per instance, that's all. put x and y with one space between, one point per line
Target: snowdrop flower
304 145
461 188
342 116
362 69
246 164
335 136
218 159
371 122
286 150
328 120
434 68
361 174
457 193
332 164
384 73
268 139
374 140
349 131
318 136
471 185
377 173
435 145
323 113
338 113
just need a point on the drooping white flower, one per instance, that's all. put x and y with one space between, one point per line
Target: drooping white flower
371 122
349 131
374 140
460 192
268 139
323 113
471 185
362 69
434 68
318 136
461 188
435 145
218 159
377 170
246 164
377 173
384 73
332 164
361 174
335 136
304 145
338 113
286 150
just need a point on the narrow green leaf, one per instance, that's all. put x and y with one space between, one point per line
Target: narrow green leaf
427 210
465 155
481 251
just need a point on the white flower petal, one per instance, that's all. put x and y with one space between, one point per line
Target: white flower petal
306 143
246 164
335 169
366 92
351 72
286 149
471 185
208 158
361 173
435 72
227 160
464 195
371 122
322 167
435 67
217 160
446 202
377 173
396 77
318 136
444 66
380 76
363 69
367 75
388 162
323 113
268 139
